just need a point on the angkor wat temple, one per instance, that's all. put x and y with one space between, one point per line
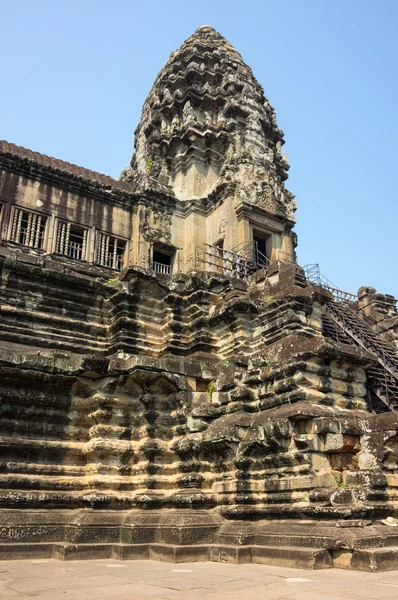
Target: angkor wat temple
173 384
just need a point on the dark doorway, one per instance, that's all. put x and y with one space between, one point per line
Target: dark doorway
260 249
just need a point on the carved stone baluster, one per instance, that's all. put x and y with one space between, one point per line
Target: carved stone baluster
84 246
29 229
114 260
100 249
37 238
14 225
106 251
19 224
66 241
60 238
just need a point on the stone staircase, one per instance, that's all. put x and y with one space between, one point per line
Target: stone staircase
346 325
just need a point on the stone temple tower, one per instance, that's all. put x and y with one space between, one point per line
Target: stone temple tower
208 138
173 385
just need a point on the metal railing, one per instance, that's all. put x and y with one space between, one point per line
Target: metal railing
364 335
240 262
161 268
313 275
384 377
342 313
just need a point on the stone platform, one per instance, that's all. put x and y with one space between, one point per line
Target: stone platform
191 536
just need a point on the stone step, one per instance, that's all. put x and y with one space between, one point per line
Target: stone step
25 551
369 559
295 557
374 559
308 558
161 552
287 556
293 541
81 551
322 541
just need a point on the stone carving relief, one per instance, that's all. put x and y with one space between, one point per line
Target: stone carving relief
223 226
155 226
266 199
189 113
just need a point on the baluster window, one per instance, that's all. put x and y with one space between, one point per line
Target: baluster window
71 240
110 251
162 262
27 228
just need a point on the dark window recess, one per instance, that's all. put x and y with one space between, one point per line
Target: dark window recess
202 385
261 245
260 250
219 255
28 228
163 259
71 241
161 262
110 251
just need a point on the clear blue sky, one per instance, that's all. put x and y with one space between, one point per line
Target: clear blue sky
75 75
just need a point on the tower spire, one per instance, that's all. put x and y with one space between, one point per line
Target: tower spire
206 127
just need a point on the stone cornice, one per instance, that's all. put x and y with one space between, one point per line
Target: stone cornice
100 187
260 216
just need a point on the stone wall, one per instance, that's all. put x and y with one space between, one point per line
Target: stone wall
218 398
160 386
195 408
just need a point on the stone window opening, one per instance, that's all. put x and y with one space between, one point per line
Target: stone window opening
27 228
163 259
110 251
71 240
261 247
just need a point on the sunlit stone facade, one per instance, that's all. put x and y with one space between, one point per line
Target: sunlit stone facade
173 384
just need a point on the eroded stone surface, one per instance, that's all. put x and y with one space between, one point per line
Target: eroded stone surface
210 410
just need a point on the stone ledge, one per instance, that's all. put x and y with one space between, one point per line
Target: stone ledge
176 537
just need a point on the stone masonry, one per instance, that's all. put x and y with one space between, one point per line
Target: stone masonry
173 384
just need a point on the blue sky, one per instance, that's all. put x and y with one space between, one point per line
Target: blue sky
75 75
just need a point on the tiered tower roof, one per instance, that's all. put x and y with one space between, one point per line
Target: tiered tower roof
206 126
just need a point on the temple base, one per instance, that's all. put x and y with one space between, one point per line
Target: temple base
189 536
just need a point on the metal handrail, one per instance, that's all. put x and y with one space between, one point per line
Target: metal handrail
313 274
365 338
363 331
232 263
250 250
